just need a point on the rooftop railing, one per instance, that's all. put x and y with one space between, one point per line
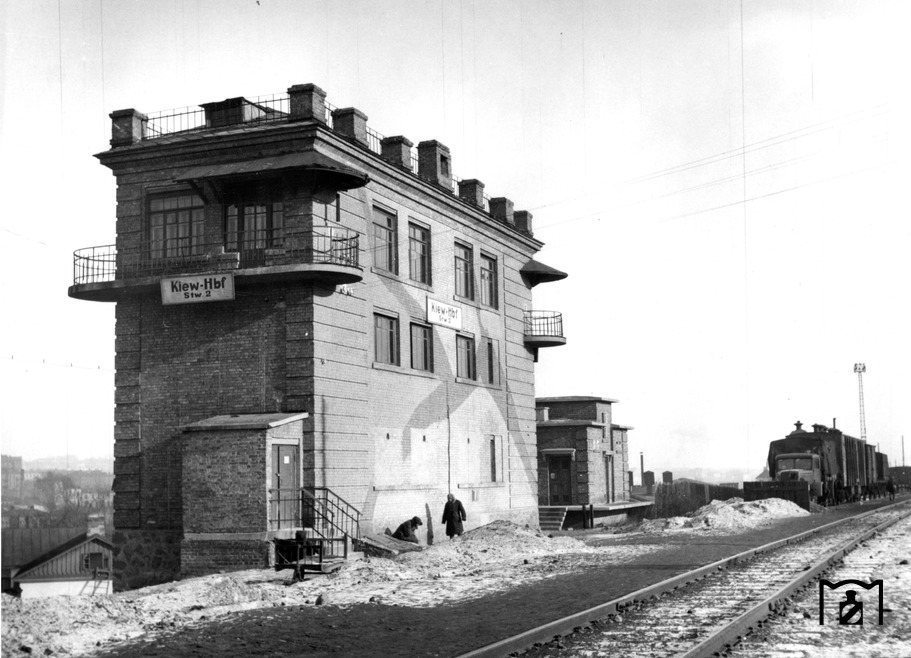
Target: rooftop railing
246 111
261 109
324 245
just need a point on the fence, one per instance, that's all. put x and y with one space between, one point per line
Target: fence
681 498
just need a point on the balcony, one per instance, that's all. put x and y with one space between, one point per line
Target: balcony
328 254
544 329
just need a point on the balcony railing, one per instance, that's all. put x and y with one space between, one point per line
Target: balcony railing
324 245
544 328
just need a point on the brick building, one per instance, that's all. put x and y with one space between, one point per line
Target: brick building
308 309
582 455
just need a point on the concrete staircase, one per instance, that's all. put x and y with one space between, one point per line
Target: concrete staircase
551 518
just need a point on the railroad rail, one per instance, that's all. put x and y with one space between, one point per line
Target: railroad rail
701 612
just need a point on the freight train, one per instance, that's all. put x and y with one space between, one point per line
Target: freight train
839 468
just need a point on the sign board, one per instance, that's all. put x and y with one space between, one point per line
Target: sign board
197 288
444 314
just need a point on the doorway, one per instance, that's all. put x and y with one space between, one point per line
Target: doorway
559 478
285 494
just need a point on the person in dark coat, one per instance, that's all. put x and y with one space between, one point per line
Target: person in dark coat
405 532
453 515
890 489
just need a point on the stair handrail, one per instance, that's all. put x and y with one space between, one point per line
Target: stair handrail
328 506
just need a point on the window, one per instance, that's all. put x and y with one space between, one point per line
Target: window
493 459
253 227
489 281
421 347
95 560
492 361
465 357
386 339
464 267
176 226
385 253
419 253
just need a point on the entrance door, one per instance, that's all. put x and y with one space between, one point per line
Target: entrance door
560 479
285 495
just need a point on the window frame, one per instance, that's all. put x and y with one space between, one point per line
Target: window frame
466 357
165 246
463 269
389 339
425 258
488 287
253 209
493 361
104 561
426 344
390 242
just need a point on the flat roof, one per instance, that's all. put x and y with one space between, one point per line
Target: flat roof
576 398
245 421
570 422
622 427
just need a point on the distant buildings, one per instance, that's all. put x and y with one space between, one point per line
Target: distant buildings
12 477
311 317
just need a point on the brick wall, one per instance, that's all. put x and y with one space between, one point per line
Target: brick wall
224 481
199 558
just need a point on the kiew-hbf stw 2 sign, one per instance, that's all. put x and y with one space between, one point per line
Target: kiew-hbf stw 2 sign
197 288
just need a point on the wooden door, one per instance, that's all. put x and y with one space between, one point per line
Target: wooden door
560 479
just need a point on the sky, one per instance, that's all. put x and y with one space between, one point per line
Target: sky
723 181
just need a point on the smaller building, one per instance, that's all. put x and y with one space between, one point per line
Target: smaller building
582 455
80 566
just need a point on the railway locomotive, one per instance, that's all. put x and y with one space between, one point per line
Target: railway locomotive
838 468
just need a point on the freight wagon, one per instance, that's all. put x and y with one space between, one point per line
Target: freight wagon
836 466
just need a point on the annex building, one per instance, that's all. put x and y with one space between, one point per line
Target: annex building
583 458
315 324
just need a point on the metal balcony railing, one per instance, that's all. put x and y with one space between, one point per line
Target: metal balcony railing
324 245
543 323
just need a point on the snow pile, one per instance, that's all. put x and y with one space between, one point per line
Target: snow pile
728 515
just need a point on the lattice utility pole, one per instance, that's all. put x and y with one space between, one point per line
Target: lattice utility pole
860 369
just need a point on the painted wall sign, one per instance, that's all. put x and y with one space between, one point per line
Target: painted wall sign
197 288
444 314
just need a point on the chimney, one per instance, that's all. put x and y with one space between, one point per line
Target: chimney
472 191
434 163
397 150
501 210
127 127
523 221
543 414
308 102
352 123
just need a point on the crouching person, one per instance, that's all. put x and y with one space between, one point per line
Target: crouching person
405 532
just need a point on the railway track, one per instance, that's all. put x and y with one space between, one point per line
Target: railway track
701 612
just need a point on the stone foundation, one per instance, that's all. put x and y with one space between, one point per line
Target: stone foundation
145 557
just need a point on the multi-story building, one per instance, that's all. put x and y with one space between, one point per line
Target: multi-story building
308 309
